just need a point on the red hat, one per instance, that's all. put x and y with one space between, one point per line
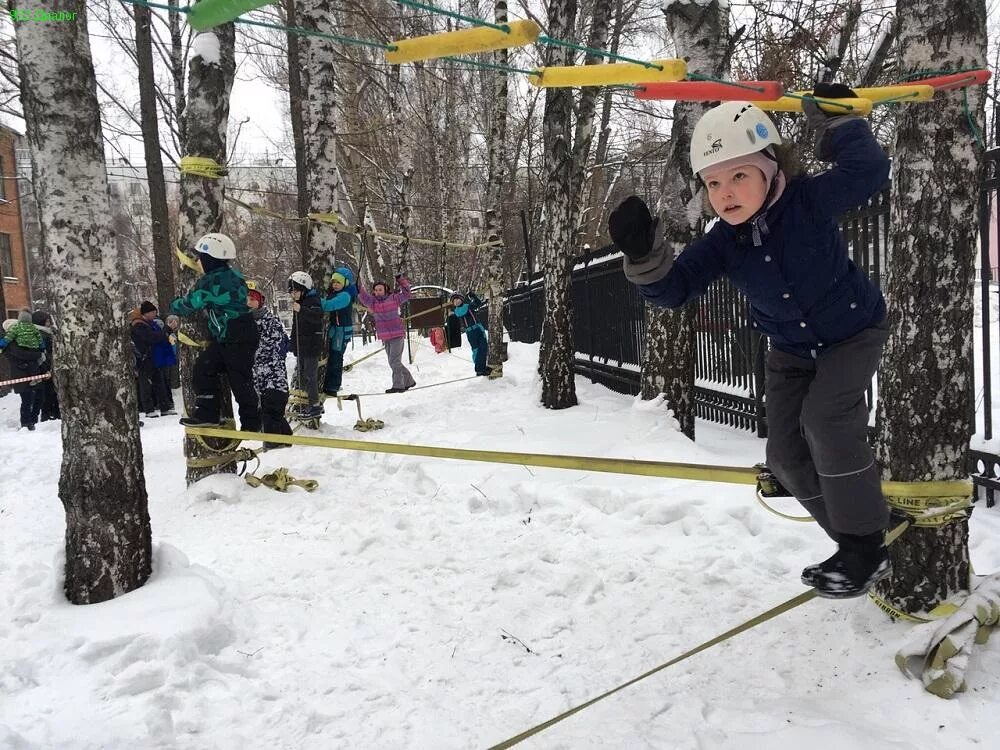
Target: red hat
254 294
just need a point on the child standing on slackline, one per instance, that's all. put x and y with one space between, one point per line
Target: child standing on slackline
307 338
389 327
222 293
463 311
339 303
778 242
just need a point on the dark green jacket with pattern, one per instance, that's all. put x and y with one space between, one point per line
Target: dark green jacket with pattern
222 294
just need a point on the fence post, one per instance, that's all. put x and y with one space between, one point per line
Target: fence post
985 278
528 268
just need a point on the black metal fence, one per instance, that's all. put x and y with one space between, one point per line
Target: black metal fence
609 326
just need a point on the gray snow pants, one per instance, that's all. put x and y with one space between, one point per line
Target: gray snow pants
401 377
817 423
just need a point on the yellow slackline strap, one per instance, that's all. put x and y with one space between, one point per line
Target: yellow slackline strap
420 387
188 341
728 474
768 508
349 365
795 601
281 480
187 261
237 456
202 166
930 503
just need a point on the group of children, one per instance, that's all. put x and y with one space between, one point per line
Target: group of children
249 345
27 342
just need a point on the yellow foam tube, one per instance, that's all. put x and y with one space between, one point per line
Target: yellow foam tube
609 75
790 104
464 42
913 93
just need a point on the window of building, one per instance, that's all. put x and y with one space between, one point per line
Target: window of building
6 255
115 190
3 180
134 188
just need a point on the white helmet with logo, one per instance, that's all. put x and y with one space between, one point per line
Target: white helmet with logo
302 279
731 130
216 245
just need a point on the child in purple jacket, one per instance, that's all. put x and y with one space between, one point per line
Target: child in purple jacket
389 326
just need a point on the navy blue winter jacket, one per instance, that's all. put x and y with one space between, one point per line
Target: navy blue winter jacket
804 291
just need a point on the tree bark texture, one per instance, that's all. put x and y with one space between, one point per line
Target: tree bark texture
925 415
163 253
555 357
297 86
699 32
206 122
101 483
321 122
495 149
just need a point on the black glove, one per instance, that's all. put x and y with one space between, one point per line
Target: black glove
632 228
821 121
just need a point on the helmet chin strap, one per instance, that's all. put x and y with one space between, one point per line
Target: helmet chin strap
758 222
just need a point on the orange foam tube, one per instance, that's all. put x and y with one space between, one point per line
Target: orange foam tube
954 80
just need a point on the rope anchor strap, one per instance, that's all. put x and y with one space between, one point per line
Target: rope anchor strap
280 480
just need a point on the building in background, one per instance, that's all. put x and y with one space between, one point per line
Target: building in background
13 257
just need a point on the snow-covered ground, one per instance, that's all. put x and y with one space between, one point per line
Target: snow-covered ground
423 603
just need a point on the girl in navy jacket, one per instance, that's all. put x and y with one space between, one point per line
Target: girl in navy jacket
778 242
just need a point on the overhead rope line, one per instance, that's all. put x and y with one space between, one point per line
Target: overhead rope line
334 221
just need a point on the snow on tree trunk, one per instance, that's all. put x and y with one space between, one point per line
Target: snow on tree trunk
699 32
496 145
210 81
321 122
163 253
925 416
101 483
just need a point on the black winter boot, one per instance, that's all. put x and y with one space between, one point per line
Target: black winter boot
860 563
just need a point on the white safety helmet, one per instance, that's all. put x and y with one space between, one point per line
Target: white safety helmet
302 279
216 245
731 130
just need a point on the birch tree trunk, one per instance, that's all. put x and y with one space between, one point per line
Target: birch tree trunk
321 122
163 254
555 357
101 483
206 118
699 32
298 81
495 178
925 416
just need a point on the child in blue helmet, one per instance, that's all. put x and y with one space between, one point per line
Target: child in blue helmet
465 312
339 302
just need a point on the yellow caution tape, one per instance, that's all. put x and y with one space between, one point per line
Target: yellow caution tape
202 166
462 42
609 75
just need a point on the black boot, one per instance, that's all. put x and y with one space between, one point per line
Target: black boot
860 563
